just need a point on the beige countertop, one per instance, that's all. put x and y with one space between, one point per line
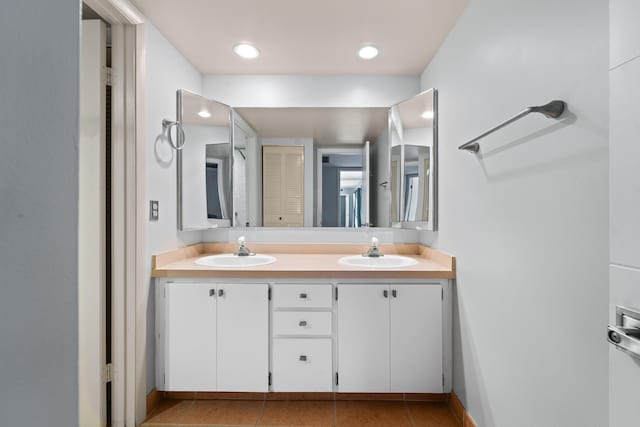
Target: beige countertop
305 261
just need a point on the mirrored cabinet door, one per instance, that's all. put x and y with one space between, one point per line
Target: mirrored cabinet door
413 128
205 165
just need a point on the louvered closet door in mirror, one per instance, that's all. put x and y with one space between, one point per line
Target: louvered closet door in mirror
283 185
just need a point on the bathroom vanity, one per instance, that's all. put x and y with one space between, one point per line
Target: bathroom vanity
305 323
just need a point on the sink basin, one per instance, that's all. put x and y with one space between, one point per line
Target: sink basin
235 261
387 261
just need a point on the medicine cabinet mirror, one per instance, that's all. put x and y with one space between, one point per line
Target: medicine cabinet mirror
204 163
307 167
413 130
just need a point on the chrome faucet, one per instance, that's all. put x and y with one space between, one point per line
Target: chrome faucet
373 251
243 250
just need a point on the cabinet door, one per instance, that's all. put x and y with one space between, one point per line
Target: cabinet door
416 338
190 363
363 338
243 337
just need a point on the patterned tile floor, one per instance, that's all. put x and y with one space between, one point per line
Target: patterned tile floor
234 413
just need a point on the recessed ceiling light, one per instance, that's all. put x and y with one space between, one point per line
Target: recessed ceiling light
246 50
204 114
427 115
368 52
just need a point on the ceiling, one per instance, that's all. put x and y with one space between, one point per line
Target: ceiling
327 126
304 36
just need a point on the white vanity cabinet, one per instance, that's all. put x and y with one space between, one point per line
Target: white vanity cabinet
212 337
312 335
390 338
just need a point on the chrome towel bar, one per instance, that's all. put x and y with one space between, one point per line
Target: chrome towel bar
552 110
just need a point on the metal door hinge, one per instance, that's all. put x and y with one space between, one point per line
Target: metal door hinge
108 76
442 294
336 378
443 381
336 293
269 378
108 372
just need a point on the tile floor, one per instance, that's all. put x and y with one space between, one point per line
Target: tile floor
300 414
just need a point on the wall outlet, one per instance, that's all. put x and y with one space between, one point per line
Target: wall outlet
153 210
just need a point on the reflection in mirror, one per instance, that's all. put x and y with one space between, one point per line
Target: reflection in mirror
306 154
413 127
204 163
416 183
245 175
341 187
395 182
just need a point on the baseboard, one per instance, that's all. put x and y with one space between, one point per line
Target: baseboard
417 397
153 400
460 413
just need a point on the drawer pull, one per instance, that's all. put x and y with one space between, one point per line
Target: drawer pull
303 296
303 358
385 293
303 323
394 293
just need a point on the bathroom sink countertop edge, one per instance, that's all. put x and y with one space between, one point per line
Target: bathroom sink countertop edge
304 261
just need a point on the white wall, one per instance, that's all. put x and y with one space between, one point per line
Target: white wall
527 218
167 71
39 110
309 91
624 190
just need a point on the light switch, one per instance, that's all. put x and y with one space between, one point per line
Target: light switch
153 210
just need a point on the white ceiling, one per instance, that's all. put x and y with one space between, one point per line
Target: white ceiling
327 126
304 36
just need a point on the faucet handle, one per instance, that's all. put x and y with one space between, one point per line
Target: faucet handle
241 240
374 242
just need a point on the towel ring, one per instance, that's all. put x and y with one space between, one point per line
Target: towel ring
166 129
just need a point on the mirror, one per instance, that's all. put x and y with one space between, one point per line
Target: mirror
413 130
307 167
315 164
204 163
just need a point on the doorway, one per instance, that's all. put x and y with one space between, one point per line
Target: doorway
111 214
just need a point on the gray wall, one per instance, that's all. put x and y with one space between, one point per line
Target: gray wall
527 218
39 47
167 71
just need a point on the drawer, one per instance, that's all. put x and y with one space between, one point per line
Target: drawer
302 296
302 365
302 323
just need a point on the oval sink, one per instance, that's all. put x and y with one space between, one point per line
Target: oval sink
387 261
235 261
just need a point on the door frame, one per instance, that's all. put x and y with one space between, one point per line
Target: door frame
128 209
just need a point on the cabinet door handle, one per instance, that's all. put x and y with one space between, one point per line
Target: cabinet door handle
385 293
303 323
394 293
212 293
303 358
220 292
303 296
